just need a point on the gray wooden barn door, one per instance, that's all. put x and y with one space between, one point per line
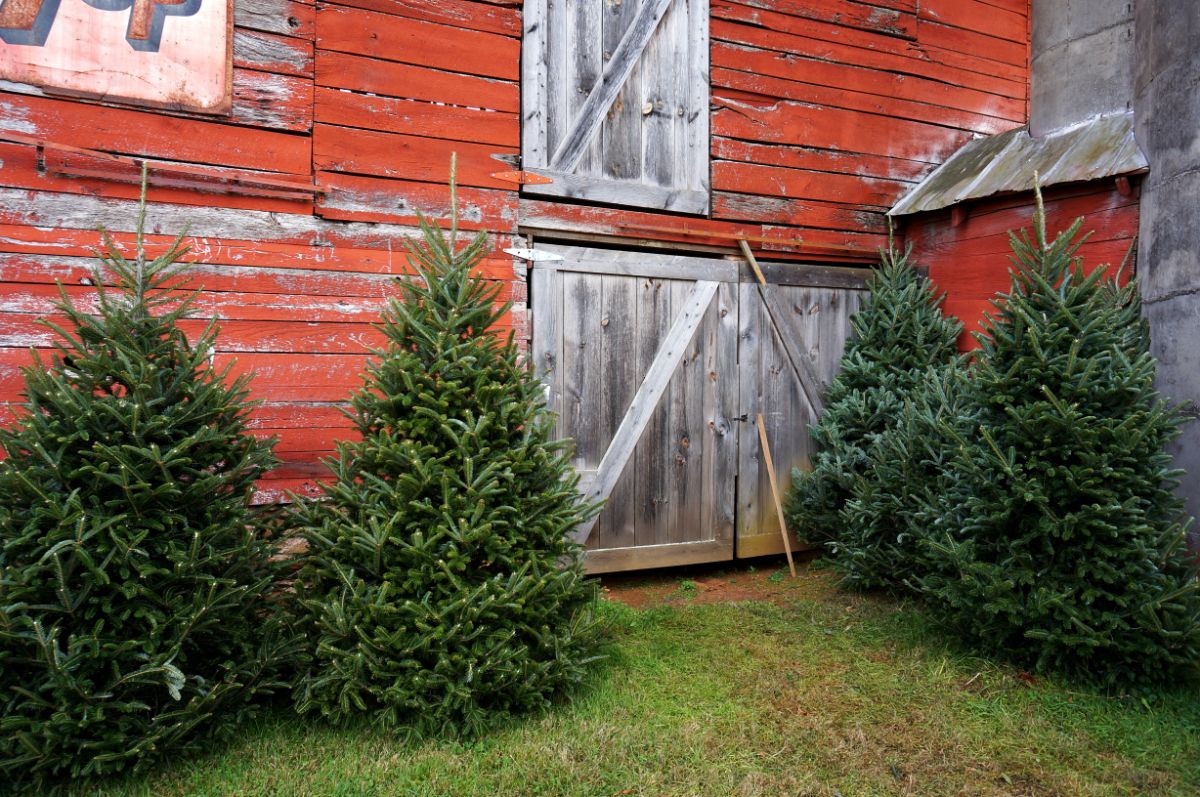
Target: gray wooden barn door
615 101
803 314
639 355
657 365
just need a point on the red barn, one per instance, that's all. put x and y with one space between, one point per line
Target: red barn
632 146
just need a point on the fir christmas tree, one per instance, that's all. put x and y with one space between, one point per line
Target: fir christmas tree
134 610
899 333
442 590
1070 554
898 500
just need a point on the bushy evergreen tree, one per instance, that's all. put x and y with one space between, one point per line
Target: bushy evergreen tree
134 610
899 499
898 334
1070 555
442 588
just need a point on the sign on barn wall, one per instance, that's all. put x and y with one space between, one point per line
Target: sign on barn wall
167 53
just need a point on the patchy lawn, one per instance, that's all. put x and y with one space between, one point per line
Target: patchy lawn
745 682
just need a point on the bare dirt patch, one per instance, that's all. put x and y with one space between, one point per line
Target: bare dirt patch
758 580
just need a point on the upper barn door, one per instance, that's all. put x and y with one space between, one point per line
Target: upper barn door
639 356
615 101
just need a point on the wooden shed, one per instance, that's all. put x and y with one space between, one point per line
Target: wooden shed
660 133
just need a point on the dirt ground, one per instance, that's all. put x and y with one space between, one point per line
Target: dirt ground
765 579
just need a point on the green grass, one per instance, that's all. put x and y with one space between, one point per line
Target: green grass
820 694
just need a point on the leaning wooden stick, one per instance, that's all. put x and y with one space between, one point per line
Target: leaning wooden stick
783 532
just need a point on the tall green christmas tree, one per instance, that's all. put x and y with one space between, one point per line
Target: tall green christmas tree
898 501
1070 551
899 333
441 587
134 610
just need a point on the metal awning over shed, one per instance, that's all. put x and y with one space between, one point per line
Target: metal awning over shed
1006 163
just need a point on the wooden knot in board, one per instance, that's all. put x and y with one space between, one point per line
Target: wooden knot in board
604 322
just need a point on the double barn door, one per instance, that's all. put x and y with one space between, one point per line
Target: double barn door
657 366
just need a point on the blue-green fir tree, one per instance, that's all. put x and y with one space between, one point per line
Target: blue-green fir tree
441 588
897 335
1069 553
899 499
135 586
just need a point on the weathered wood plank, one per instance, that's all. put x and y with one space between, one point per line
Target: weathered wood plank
620 137
751 330
614 192
796 212
582 380
654 319
535 81
719 375
689 434
268 52
260 99
654 384
644 557
350 197
54 171
663 157
639 264
392 79
389 114
146 133
753 178
785 122
413 41
617 526
488 17
86 213
368 152
282 334
323 247
871 17
582 26
546 349
648 229
210 276
286 17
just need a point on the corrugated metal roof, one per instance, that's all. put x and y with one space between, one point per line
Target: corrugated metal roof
1006 162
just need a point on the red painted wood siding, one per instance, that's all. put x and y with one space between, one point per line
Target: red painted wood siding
970 262
824 111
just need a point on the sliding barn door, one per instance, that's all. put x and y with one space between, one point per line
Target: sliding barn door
639 355
615 101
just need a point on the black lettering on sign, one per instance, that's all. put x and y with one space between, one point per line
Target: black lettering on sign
29 21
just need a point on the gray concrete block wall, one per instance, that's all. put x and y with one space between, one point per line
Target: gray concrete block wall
1167 112
1082 61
